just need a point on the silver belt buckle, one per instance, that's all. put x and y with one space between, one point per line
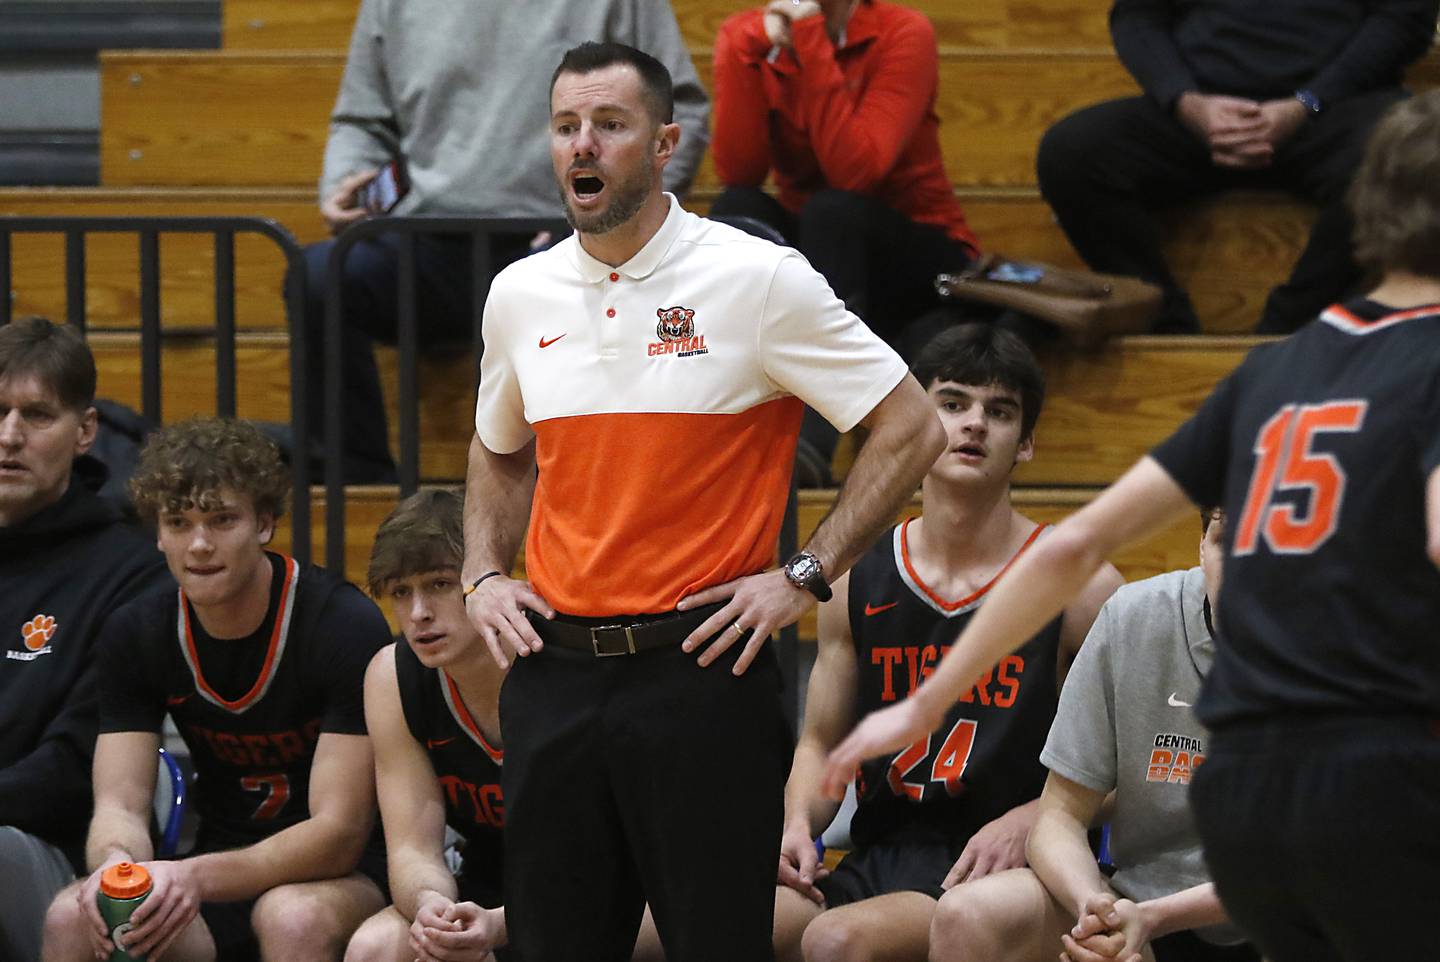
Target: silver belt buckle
595 640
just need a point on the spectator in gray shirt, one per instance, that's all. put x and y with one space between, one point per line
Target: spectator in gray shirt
449 92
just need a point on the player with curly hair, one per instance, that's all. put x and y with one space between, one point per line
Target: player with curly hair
260 662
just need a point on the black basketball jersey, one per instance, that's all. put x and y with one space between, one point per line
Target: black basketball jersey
984 759
1319 447
466 764
250 710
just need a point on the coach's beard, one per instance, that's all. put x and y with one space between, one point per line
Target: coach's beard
629 197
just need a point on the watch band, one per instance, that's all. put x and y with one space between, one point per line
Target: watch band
1308 98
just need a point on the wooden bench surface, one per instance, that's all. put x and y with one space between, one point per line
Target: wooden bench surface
326 24
1102 412
366 507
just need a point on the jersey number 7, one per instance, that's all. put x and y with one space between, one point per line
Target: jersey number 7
277 789
1285 462
948 767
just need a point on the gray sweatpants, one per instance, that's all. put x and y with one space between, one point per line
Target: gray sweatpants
41 870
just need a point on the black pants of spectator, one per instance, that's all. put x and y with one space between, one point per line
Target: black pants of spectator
443 287
879 262
1321 835
642 778
1107 169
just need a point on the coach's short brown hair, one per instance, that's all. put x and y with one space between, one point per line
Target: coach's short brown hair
54 353
1395 196
185 465
425 532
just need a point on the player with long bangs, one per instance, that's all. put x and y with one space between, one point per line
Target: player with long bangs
259 662
958 802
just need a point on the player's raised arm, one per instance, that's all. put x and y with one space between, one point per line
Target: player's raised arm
1143 501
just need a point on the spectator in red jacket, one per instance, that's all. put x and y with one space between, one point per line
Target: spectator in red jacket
836 98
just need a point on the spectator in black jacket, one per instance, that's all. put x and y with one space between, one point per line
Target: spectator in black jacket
1236 94
66 560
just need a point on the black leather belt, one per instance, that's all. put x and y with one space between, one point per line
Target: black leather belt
605 640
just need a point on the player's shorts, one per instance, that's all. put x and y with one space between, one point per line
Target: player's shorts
1189 947
889 867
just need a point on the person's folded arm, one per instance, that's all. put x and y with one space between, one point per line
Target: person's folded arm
742 130
1393 34
1058 850
363 126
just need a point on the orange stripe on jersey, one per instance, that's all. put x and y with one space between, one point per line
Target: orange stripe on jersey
633 512
462 715
978 593
1340 316
273 652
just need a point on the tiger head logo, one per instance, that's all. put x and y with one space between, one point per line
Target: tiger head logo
676 324
38 631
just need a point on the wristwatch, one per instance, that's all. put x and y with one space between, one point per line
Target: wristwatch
805 571
1308 98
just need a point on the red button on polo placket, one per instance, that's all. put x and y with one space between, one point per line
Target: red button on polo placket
614 276
610 312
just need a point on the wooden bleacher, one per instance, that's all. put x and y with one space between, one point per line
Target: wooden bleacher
200 133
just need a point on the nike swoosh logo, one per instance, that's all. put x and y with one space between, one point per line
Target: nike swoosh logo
1177 703
544 343
172 702
876 609
437 742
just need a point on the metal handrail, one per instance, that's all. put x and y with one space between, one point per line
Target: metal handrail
148 231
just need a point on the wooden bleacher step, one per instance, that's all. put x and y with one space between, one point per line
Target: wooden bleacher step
208 118
1229 250
1102 412
366 507
326 24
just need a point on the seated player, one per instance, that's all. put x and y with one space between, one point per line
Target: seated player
959 802
1124 725
432 706
259 662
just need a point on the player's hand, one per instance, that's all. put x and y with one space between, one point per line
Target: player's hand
172 905
343 208
881 732
456 931
497 610
800 866
85 895
780 14
758 604
1107 929
999 845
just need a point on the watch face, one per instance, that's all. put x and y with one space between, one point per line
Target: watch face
803 568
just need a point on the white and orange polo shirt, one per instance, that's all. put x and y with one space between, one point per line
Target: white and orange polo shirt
665 398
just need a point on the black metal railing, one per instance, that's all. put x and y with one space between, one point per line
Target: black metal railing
148 231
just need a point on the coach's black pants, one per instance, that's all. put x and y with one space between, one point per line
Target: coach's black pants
1107 169
1323 837
642 778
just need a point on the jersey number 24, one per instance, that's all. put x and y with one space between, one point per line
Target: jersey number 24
948 767
1285 462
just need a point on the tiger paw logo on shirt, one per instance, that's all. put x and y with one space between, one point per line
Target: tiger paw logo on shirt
676 331
35 634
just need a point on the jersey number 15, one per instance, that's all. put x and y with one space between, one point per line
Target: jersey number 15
1286 463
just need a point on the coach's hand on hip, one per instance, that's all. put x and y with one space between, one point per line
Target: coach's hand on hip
496 607
758 605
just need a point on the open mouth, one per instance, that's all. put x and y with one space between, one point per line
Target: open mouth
11 465
586 186
971 450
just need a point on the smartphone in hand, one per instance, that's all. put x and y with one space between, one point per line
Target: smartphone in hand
386 190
